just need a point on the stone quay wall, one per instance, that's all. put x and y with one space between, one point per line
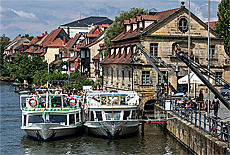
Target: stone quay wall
193 138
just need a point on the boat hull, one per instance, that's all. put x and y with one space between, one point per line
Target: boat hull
112 129
47 131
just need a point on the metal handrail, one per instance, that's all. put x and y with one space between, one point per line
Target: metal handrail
210 125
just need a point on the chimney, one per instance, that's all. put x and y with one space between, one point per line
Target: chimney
28 37
68 31
125 51
109 52
131 50
119 53
182 4
45 32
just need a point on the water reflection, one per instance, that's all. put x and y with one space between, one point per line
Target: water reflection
15 141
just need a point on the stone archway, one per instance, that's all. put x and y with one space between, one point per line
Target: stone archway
146 100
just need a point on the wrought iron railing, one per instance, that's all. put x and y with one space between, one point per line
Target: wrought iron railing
211 125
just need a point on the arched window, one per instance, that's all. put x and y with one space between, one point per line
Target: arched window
183 25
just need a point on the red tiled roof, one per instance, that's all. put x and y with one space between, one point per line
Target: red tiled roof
38 51
26 44
105 25
50 38
133 20
56 43
73 58
91 35
138 18
94 42
212 24
96 57
65 51
118 58
126 22
150 17
72 41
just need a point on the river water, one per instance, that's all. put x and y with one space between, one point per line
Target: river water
15 141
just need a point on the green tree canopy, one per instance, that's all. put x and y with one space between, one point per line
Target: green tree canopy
25 68
118 25
3 42
223 25
30 37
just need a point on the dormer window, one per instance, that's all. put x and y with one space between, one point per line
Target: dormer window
183 25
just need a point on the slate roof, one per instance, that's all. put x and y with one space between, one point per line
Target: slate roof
85 22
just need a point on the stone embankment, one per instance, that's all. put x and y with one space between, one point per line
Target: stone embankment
193 138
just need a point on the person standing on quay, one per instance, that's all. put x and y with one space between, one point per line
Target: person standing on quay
216 106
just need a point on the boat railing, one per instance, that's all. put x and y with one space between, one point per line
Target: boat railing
55 101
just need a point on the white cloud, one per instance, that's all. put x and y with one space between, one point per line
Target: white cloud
24 14
215 0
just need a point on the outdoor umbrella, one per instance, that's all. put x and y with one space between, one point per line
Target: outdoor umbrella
194 79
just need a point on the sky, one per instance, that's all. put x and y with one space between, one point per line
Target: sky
34 17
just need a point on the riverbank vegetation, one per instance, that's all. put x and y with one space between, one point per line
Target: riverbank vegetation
35 71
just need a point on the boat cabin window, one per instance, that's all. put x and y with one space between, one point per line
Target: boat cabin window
133 114
35 119
58 119
71 119
42 102
24 122
56 102
126 114
109 115
91 116
99 115
122 100
77 117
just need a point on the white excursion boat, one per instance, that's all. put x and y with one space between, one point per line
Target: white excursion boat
112 114
48 116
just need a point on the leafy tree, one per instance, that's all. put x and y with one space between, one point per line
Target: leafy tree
3 42
118 27
30 37
62 66
223 25
25 68
5 68
75 75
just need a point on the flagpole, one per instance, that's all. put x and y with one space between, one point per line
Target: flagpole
189 50
208 57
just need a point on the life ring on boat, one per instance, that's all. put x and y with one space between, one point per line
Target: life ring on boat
73 103
33 105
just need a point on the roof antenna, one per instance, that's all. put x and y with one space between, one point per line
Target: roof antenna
80 14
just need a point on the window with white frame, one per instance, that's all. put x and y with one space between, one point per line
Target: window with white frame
212 51
145 77
154 49
72 66
82 53
218 78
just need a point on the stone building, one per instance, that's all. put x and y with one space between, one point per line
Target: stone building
126 68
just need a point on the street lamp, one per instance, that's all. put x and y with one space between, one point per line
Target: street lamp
177 70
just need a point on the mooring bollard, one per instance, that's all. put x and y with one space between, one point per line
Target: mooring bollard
142 128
